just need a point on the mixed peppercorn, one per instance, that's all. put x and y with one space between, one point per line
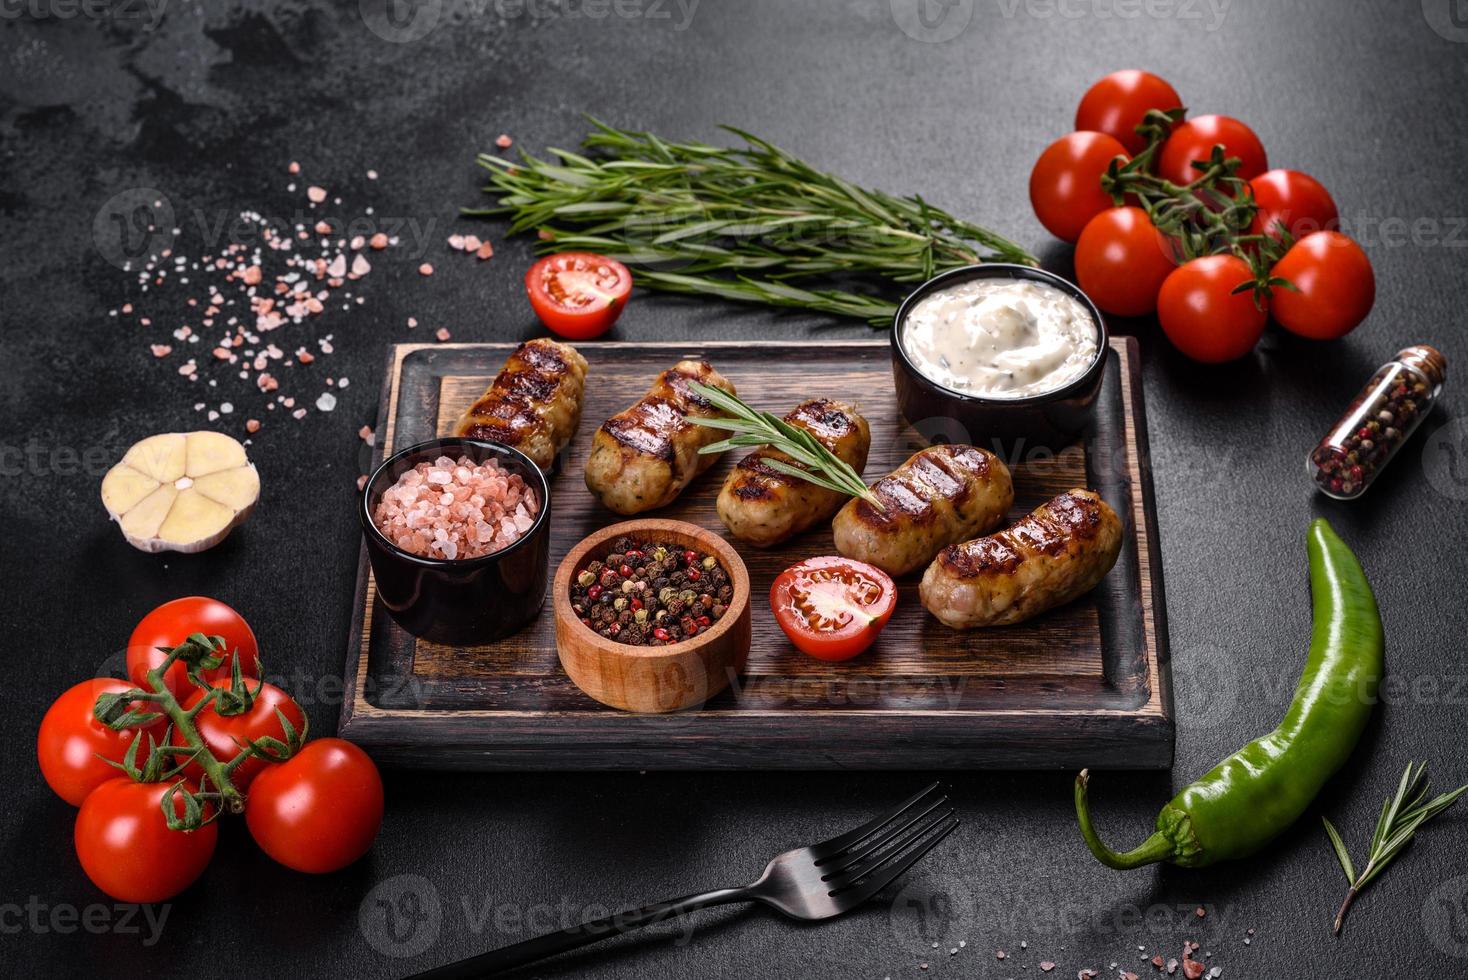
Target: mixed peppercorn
1377 422
651 594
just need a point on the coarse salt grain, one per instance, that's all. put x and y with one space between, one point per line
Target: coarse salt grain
316 194
426 269
456 509
325 402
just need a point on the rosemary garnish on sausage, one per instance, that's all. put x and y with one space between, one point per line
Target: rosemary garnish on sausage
752 427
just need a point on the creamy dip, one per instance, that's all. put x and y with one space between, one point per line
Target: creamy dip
1001 338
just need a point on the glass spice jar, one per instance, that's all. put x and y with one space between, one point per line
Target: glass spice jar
1382 417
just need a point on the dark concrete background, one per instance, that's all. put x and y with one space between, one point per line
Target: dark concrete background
209 104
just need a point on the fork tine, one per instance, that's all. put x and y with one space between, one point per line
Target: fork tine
830 848
889 848
884 873
857 852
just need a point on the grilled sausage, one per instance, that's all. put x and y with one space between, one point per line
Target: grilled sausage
941 495
643 458
534 403
764 507
1060 551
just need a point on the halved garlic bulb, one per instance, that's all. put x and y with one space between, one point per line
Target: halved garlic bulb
181 491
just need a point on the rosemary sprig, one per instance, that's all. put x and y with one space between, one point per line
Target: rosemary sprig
737 223
752 427
1401 816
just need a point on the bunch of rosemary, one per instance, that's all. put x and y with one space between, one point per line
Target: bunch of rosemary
752 223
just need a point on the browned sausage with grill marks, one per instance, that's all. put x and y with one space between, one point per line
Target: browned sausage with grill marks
941 495
534 403
763 507
642 458
1057 553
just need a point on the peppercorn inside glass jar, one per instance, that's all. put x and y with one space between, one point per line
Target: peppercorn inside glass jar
1377 422
651 594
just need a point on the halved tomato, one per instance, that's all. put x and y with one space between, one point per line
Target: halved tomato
833 608
578 295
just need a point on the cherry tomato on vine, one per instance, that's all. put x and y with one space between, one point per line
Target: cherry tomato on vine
833 608
1293 199
1194 139
1203 316
578 295
1334 286
1121 261
1116 104
318 811
226 735
1065 186
172 623
71 738
126 848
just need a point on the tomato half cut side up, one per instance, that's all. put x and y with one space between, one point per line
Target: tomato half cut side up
578 295
833 608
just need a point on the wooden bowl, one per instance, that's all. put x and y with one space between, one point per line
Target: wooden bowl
653 679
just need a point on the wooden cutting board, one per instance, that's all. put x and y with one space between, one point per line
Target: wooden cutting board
1086 684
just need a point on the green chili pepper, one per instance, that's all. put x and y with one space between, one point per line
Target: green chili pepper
1259 791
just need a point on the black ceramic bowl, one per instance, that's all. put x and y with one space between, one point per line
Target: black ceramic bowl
1014 428
467 600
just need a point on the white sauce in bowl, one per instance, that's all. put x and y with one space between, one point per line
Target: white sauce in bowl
1001 338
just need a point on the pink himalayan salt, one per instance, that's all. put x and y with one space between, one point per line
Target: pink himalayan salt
456 509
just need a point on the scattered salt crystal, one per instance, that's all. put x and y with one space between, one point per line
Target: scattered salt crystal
160 350
378 241
316 194
425 269
456 242
442 333
294 168
360 266
372 175
225 408
485 250
503 141
326 402
252 425
299 413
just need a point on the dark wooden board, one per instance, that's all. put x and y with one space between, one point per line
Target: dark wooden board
1086 684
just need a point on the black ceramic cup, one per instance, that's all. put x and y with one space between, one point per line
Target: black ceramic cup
1014 428
462 601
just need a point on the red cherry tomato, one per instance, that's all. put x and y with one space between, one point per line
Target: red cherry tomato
1297 201
833 608
126 848
226 735
1334 286
71 739
578 295
1121 261
1202 315
1116 104
1195 139
1065 186
318 811
172 623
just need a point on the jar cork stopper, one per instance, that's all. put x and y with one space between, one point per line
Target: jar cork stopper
1428 360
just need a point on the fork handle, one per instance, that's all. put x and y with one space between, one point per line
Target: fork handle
509 957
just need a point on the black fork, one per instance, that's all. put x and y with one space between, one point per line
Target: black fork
817 882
